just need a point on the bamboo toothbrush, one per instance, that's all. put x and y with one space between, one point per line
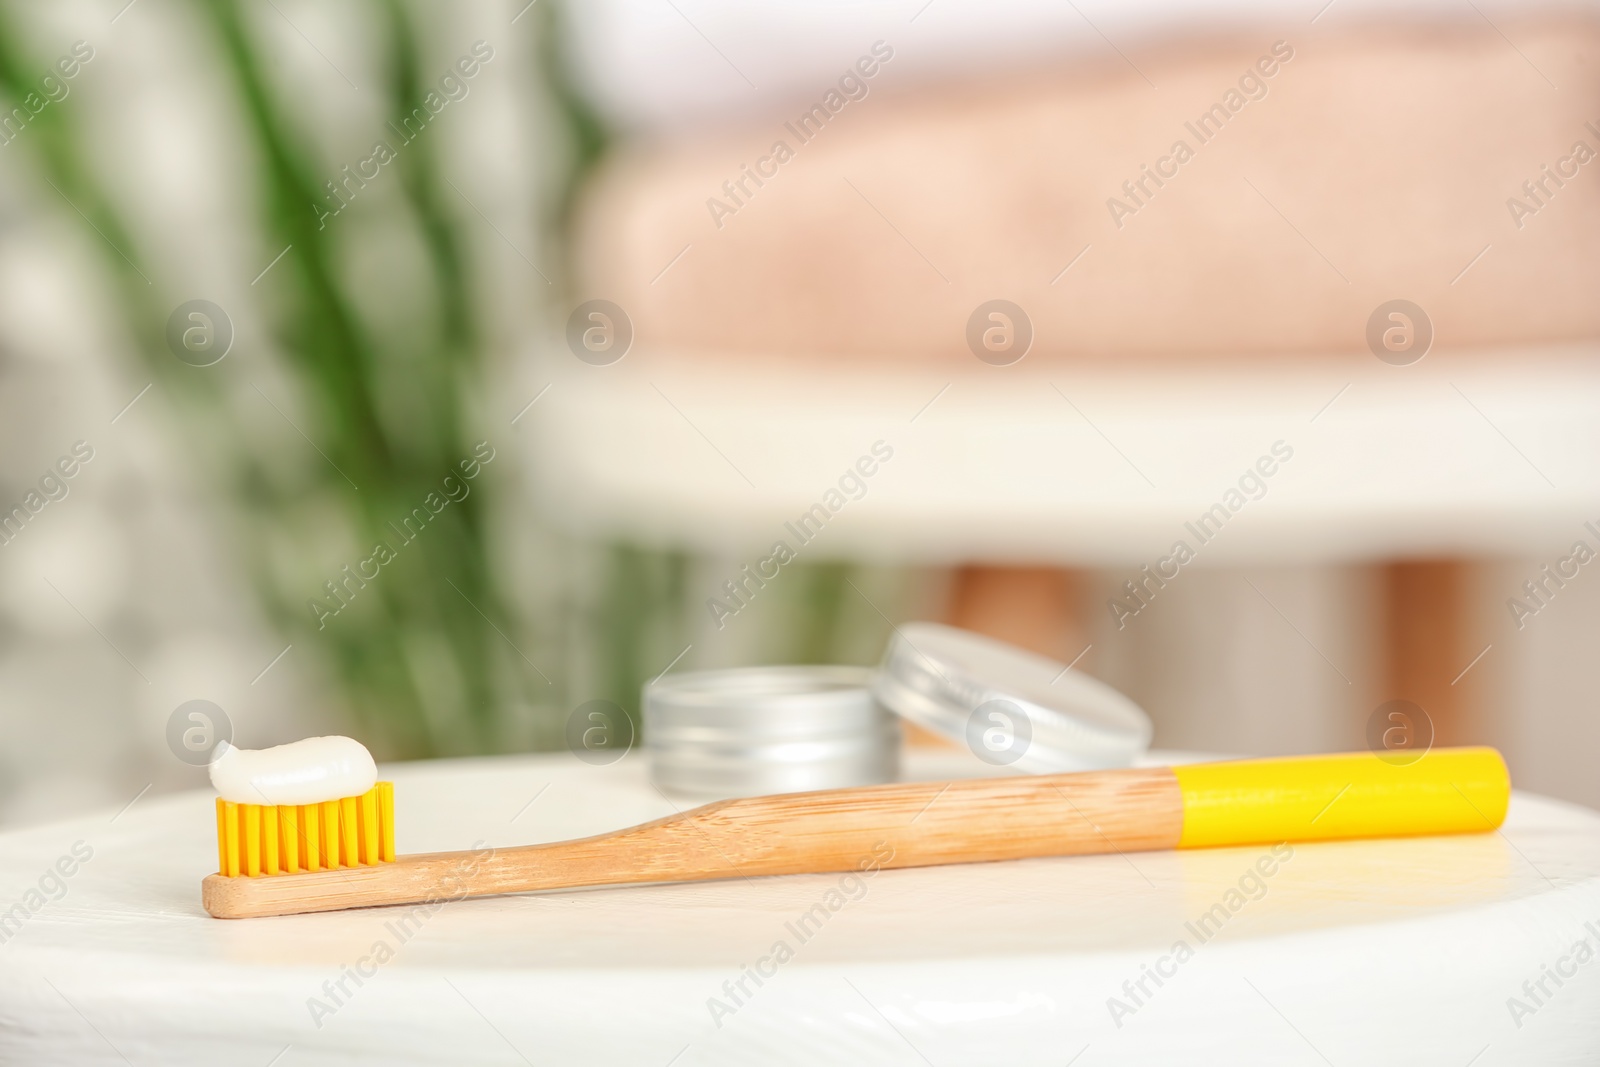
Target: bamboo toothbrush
1203 805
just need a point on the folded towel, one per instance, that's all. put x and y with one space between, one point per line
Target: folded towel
666 65
1266 199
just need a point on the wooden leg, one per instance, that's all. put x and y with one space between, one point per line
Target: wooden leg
1031 607
1426 644
1036 608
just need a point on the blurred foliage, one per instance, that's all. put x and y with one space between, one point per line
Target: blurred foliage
423 656
422 662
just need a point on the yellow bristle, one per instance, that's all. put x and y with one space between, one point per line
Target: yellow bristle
313 840
369 827
231 842
289 837
269 839
222 836
349 831
386 820
330 834
252 838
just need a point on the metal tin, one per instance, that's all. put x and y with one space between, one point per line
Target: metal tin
754 730
1008 706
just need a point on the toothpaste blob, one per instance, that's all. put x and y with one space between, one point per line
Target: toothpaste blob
301 772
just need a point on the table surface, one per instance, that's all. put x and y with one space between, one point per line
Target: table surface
1399 951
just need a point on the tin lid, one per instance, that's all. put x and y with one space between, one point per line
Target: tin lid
757 730
1008 706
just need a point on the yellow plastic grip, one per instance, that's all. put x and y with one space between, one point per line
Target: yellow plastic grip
1318 798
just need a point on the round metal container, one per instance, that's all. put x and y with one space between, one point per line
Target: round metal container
755 730
1007 706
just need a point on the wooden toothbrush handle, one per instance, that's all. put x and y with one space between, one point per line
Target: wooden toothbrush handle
1304 798
906 825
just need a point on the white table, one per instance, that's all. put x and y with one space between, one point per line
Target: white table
1358 953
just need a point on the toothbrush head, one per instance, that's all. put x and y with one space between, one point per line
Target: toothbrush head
266 839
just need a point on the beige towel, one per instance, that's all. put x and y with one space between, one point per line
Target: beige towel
1366 166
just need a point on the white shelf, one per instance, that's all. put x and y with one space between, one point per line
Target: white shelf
1494 453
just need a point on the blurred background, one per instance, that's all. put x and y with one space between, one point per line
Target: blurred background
424 373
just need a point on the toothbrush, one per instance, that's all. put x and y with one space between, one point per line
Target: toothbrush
1204 805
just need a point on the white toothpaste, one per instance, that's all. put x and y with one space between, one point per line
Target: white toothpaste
301 772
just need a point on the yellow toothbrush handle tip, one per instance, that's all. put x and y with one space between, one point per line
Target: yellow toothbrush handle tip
1318 798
